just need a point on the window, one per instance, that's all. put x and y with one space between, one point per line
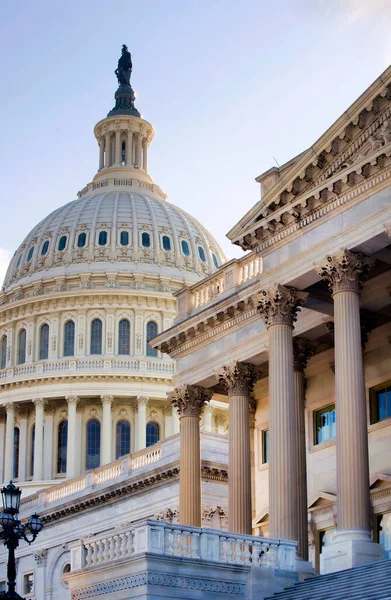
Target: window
81 239
185 248
102 239
28 583
124 337
62 242
2 586
152 433
325 424
151 333
32 450
123 153
380 403
124 238
122 440
69 338
3 351
93 444
44 342
166 243
146 239
201 253
22 347
45 248
15 473
215 262
265 446
62 443
19 259
30 254
96 337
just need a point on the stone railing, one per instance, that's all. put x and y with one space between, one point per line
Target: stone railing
232 276
132 183
112 547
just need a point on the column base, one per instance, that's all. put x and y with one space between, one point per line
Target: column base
346 554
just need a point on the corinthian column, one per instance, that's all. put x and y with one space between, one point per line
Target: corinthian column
107 401
142 402
190 400
278 307
71 441
9 442
239 381
38 443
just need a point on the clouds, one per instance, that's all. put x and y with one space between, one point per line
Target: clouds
360 10
5 257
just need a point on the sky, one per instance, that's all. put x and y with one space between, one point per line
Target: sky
232 87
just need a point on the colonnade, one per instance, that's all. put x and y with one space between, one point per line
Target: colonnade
112 153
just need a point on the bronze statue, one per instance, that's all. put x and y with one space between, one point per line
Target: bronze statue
124 69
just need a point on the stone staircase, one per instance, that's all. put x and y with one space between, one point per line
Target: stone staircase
368 582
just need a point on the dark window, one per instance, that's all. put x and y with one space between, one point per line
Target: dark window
123 153
124 337
201 253
185 248
81 239
62 243
32 450
166 243
16 453
124 238
3 351
146 239
22 347
151 333
45 248
215 262
93 444
152 433
19 259
102 239
69 338
44 342
325 424
265 446
30 254
62 447
381 403
96 337
122 440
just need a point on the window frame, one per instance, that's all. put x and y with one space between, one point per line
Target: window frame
149 351
183 241
95 319
64 235
148 233
165 235
99 233
120 349
265 444
46 244
60 436
118 443
318 412
65 337
148 445
80 233
201 252
16 453
30 254
373 406
99 438
21 351
3 350
43 344
120 238
215 261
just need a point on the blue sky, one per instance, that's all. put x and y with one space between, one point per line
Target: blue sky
229 85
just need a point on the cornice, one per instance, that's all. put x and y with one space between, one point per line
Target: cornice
45 380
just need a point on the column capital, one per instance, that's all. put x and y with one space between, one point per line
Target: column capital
72 400
238 379
345 271
303 349
40 402
142 400
9 406
107 399
280 305
189 400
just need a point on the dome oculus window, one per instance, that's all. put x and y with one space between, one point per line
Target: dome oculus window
201 254
146 239
45 248
185 248
62 242
124 238
81 239
102 239
166 242
30 254
215 262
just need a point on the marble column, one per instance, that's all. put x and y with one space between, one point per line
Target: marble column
72 436
278 307
142 402
101 153
138 149
190 400
48 471
39 404
117 159
239 380
2 444
302 352
208 418
22 417
175 421
129 149
108 149
107 428
9 442
145 154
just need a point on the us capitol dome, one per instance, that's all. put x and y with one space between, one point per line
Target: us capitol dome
84 293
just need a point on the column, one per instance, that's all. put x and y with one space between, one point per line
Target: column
22 417
48 471
138 149
101 153
190 400
142 402
345 272
278 307
208 418
175 421
117 159
302 351
39 404
129 149
145 154
107 428
107 149
2 444
72 432
239 380
167 421
9 443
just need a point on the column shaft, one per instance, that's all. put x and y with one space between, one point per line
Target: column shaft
9 443
38 443
22 444
117 159
301 466
72 433
129 149
138 150
107 150
190 470
145 155
239 466
142 423
106 430
101 153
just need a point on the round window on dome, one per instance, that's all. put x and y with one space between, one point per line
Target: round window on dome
185 248
30 254
201 253
146 239
45 248
62 242
124 238
215 262
81 239
102 239
166 242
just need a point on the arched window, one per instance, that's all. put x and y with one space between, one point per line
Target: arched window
81 239
69 338
102 239
124 238
15 473
122 439
152 433
185 248
96 337
215 262
166 243
146 239
30 254
45 248
32 450
93 444
201 253
123 153
44 342
4 352
62 444
62 242
124 337
151 333
22 347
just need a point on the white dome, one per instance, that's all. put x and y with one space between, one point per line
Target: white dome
116 230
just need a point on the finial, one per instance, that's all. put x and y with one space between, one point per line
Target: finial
124 96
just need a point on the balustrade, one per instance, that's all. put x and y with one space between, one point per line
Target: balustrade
116 546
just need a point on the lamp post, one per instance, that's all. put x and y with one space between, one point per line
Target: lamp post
13 531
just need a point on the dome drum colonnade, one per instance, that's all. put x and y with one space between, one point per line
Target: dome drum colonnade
124 142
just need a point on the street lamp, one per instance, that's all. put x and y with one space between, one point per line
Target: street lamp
13 531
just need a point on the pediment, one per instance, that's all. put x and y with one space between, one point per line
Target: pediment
321 499
261 517
380 480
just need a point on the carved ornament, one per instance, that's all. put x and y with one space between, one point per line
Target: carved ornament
345 271
280 305
238 379
303 349
190 400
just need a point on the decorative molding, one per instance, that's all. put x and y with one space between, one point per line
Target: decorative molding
238 379
303 349
107 399
280 305
40 557
345 271
190 400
